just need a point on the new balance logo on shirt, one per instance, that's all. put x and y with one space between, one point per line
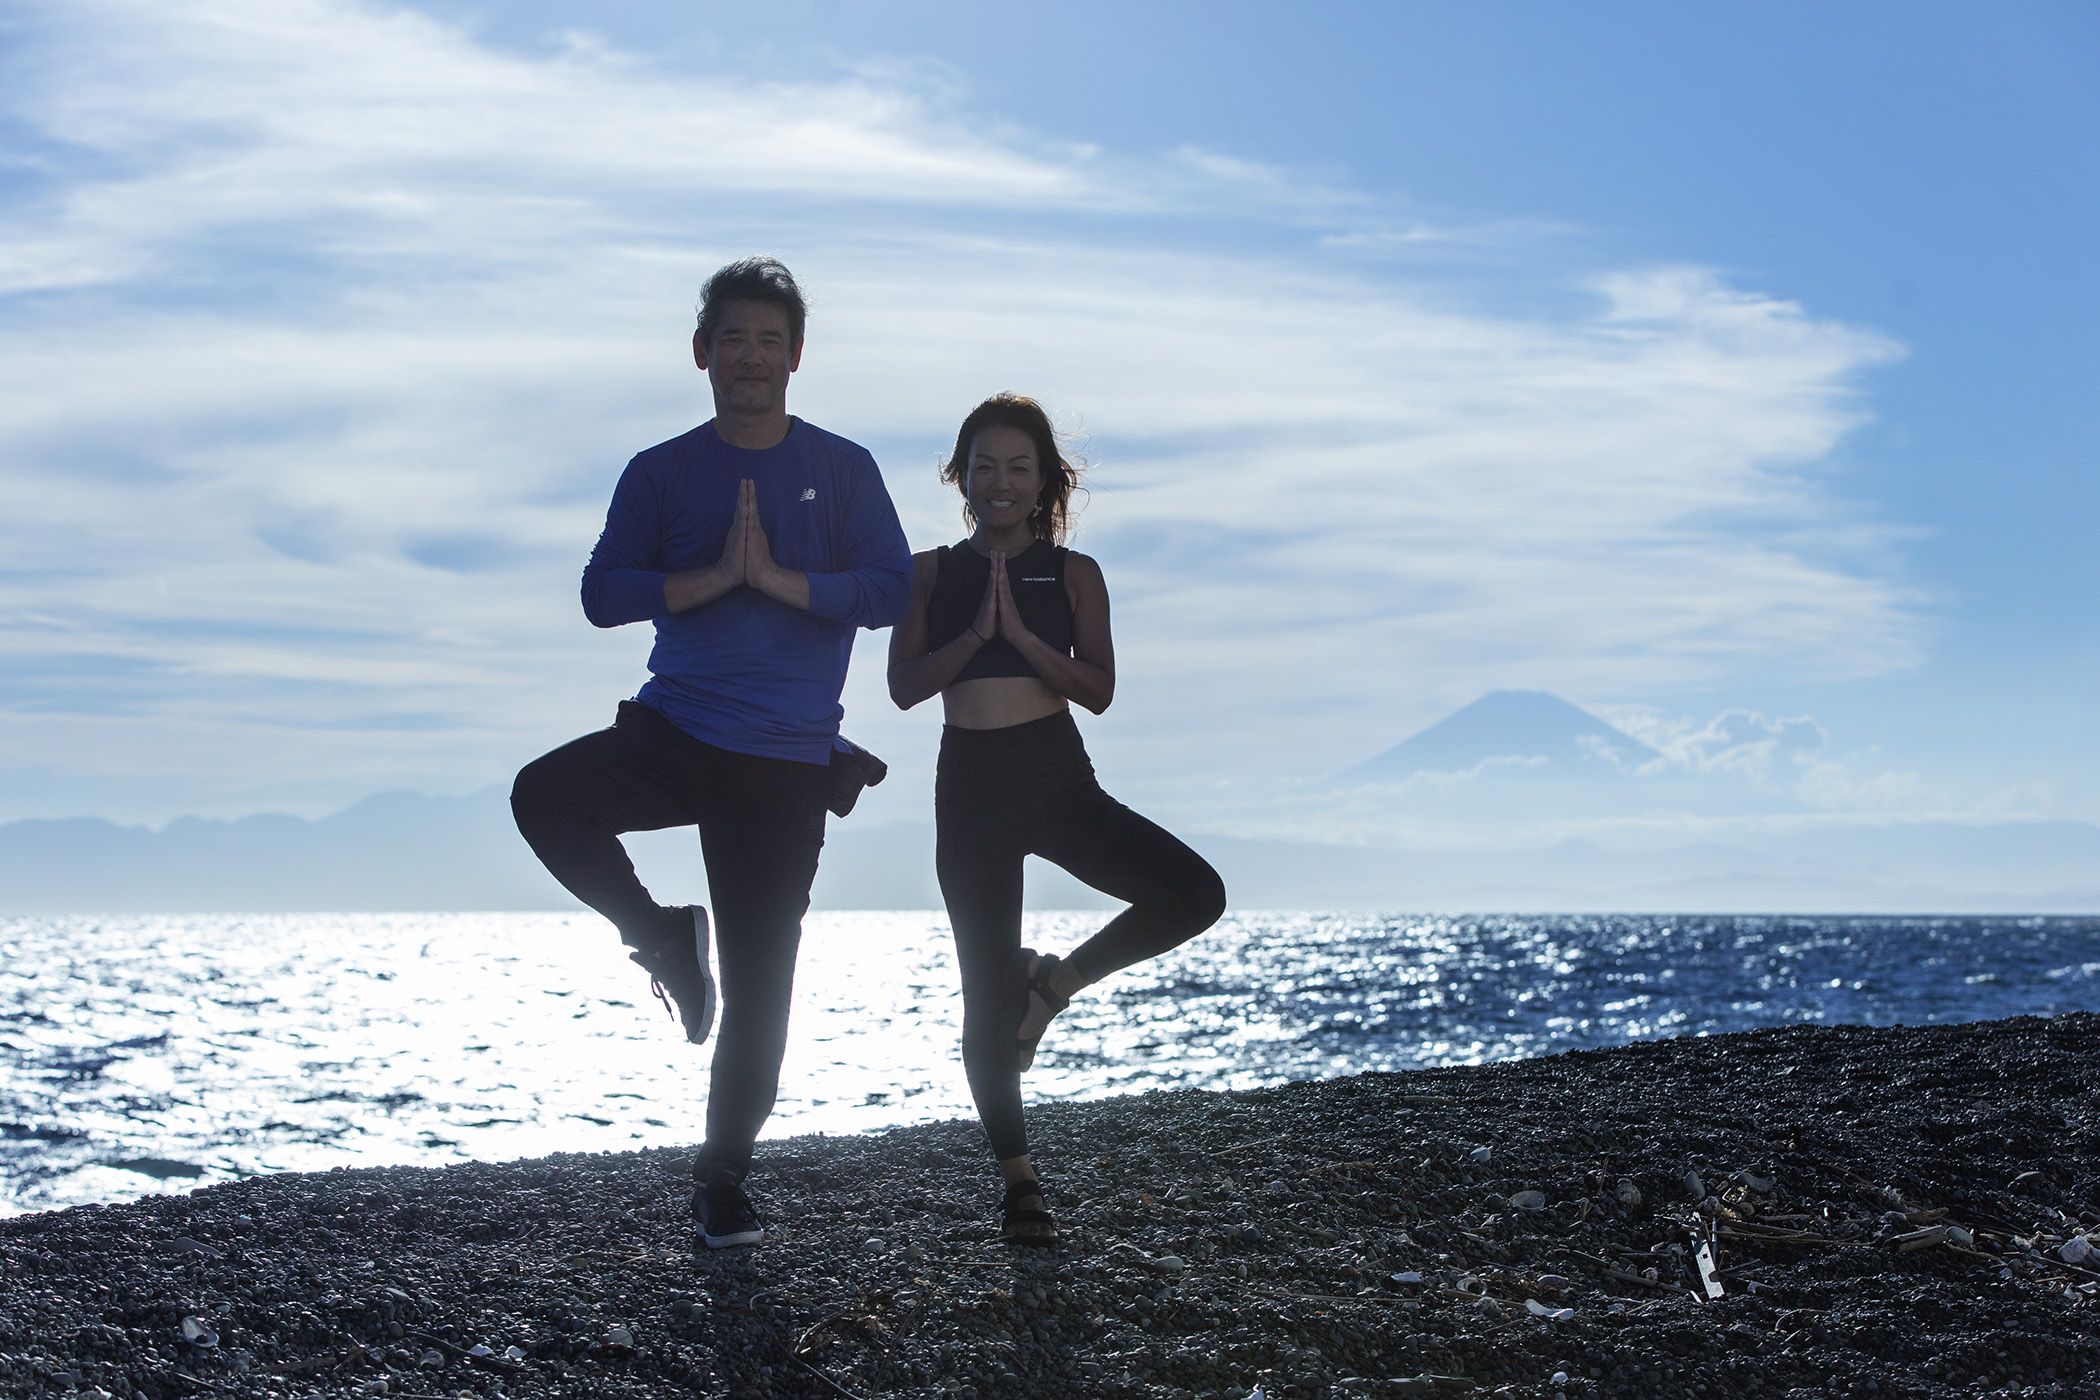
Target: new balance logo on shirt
809 493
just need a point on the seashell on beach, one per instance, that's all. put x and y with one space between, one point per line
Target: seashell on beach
198 1333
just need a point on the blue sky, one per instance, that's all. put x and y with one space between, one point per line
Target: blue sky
1727 370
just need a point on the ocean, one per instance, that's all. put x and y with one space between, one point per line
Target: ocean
142 1054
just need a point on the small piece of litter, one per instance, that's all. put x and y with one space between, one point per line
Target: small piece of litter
198 1334
1528 1200
1538 1309
1709 1269
1482 1154
1408 1276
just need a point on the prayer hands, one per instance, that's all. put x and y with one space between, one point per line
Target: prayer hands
747 556
986 623
999 598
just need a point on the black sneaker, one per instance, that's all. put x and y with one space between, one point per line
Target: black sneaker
677 968
722 1213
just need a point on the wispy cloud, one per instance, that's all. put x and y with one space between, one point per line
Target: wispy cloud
328 327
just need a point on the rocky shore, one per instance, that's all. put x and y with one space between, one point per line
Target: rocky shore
1803 1212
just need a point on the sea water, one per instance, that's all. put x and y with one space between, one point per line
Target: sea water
142 1054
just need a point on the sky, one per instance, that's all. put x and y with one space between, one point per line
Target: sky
1728 371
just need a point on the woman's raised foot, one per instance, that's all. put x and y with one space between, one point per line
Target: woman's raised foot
1037 974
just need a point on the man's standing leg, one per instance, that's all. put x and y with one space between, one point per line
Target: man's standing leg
572 806
761 836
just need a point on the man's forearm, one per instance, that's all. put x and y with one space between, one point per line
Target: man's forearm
695 588
790 586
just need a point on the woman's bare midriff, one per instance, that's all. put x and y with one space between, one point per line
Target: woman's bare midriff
996 702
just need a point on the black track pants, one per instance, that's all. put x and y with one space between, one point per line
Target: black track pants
761 824
1005 794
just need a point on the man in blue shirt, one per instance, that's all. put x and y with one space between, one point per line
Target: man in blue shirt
756 544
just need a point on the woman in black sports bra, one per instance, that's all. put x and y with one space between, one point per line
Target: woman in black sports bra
1008 627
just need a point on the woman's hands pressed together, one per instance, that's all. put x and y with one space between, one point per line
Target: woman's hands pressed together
997 615
986 624
1010 625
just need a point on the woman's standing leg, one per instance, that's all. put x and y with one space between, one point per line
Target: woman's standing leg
978 858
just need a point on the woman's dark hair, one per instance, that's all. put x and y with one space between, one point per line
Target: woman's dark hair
752 279
1051 517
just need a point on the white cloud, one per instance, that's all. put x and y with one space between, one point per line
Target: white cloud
1742 742
327 295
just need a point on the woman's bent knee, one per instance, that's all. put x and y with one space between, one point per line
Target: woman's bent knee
1203 900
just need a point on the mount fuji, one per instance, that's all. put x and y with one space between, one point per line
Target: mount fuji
1519 727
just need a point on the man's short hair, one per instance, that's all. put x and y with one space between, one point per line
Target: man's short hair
752 279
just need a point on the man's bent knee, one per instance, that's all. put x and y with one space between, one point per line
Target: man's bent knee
535 794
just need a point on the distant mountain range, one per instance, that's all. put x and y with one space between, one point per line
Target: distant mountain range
1522 752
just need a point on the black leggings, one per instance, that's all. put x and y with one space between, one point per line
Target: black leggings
761 824
1005 794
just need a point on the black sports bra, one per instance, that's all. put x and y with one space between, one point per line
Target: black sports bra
1037 577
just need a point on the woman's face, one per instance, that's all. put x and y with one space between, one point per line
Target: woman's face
1005 480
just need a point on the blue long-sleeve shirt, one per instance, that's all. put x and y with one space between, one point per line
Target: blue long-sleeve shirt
745 672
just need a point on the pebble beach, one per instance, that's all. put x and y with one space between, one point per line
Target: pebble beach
1798 1212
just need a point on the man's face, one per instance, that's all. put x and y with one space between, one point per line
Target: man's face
751 358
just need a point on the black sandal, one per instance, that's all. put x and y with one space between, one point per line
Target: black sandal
1035 983
1040 1224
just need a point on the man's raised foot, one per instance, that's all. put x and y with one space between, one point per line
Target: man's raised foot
676 961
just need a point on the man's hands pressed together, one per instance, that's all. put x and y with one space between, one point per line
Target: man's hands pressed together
754 554
746 562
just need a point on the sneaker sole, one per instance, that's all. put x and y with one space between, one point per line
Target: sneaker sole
731 1241
707 991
